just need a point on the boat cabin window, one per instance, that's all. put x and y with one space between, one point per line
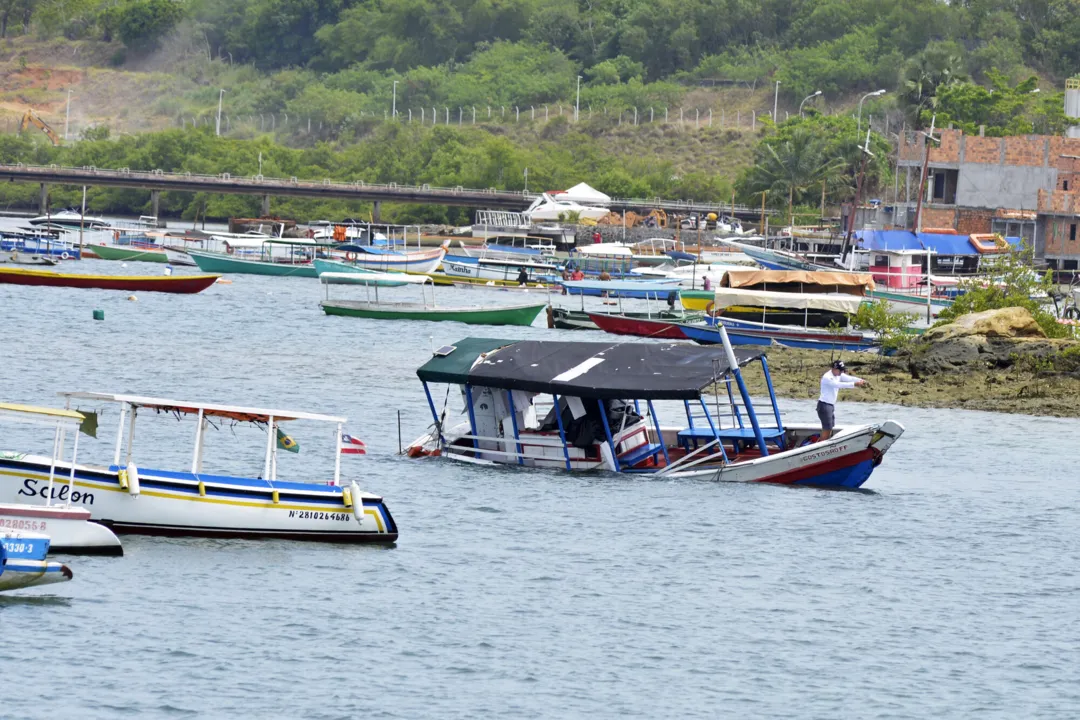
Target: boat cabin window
881 260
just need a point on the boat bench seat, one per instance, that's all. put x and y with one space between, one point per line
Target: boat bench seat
639 454
736 435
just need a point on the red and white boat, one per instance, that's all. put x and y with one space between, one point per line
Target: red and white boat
603 414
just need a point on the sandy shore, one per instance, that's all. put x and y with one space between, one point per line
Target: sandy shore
797 374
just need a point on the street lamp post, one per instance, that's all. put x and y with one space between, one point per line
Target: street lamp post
221 96
577 102
811 95
67 115
393 103
876 93
775 103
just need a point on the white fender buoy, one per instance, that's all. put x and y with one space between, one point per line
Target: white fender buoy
132 298
357 501
132 479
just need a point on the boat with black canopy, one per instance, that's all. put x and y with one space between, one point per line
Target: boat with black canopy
594 407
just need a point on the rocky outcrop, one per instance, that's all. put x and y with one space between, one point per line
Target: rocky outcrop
990 339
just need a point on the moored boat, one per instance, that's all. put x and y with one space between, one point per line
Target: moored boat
48 509
627 289
131 252
23 563
602 414
182 284
742 332
638 326
376 309
129 498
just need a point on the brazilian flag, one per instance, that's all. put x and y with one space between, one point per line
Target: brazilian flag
285 442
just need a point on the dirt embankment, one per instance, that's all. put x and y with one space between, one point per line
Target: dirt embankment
996 361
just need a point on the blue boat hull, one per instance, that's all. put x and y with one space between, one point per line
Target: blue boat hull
707 335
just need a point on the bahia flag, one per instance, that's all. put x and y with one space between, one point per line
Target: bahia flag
285 442
352 446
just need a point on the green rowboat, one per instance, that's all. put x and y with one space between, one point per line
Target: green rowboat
129 253
223 263
472 315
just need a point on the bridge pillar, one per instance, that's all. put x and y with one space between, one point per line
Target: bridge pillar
375 211
155 202
265 205
43 203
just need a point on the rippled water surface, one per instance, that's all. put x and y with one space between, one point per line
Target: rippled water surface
948 589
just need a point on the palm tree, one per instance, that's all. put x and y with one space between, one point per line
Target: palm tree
934 68
791 168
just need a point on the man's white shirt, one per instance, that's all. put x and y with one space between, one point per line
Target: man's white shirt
833 384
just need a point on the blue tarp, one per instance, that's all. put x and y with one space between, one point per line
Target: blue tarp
907 240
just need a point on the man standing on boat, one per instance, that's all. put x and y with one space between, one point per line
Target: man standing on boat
832 382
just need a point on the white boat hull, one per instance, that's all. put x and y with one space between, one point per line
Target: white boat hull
23 564
69 527
183 504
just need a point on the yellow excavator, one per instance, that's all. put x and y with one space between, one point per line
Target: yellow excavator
32 118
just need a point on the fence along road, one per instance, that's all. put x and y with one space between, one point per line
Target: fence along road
157 181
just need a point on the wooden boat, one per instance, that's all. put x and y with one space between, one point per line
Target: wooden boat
364 277
38 243
17 258
637 326
601 414
46 507
130 253
808 310
129 498
749 333
183 284
442 279
628 289
390 259
23 563
374 309
463 267
566 319
293 266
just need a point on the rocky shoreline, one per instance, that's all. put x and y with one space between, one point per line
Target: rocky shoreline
999 361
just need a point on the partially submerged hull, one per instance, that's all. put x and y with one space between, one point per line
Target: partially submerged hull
183 504
845 461
500 315
182 284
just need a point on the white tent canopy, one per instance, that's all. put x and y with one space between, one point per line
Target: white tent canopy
582 193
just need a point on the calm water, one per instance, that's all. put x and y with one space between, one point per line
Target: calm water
949 590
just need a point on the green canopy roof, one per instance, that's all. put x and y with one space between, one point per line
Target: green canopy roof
454 367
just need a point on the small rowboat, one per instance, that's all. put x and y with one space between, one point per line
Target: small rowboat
181 284
130 253
640 327
523 314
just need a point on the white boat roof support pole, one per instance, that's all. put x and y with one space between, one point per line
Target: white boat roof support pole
273 452
337 457
120 434
131 434
269 447
52 464
71 473
196 454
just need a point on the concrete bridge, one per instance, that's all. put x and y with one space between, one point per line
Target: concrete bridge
155 181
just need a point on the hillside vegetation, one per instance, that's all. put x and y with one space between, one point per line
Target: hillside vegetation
675 98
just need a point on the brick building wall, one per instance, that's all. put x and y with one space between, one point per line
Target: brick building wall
970 222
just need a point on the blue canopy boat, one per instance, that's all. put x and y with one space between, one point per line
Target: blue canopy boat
603 414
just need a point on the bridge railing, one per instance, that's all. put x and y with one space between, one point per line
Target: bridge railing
256 181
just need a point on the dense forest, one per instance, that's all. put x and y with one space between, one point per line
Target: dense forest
528 52
344 65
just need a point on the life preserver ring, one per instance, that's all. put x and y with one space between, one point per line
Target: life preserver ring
229 250
350 256
64 255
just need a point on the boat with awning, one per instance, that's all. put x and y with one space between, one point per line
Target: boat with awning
596 406
129 495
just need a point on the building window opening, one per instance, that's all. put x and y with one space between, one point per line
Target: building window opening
1065 185
944 189
1072 231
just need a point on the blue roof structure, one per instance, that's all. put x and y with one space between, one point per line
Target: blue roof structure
898 240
